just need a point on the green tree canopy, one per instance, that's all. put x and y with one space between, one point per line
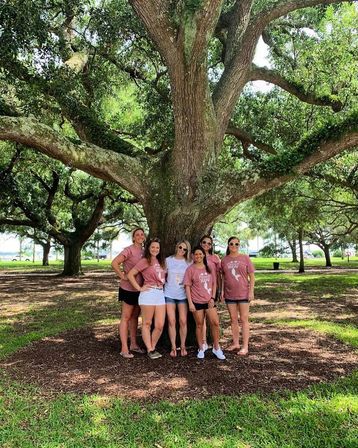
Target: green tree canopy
199 139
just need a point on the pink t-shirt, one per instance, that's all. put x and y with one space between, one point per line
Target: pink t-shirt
235 272
153 274
132 254
214 260
201 282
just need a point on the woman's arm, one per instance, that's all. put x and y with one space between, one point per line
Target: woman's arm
251 286
190 302
211 303
222 289
116 265
131 277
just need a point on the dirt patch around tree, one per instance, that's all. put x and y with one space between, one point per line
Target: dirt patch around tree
87 360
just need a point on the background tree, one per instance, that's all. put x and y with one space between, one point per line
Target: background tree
191 62
62 203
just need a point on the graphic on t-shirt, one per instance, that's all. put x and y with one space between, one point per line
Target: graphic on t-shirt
233 265
178 279
160 273
205 279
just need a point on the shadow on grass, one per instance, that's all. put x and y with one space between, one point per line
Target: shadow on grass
319 417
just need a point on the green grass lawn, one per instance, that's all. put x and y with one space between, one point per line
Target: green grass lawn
318 263
260 264
324 416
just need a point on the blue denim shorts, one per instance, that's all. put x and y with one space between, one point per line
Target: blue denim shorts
176 301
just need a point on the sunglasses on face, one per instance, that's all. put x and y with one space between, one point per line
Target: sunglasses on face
234 244
183 248
207 242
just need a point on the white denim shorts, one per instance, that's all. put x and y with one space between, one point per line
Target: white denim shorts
152 297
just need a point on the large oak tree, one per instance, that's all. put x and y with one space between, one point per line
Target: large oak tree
191 61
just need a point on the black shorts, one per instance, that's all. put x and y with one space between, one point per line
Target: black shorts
129 297
236 302
202 306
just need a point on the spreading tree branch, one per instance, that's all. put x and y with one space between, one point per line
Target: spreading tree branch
274 77
155 16
237 70
107 165
282 8
245 137
278 169
237 24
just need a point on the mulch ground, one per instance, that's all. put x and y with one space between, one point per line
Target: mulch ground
87 360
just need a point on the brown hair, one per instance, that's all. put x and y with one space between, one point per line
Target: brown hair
160 256
136 230
212 242
204 259
228 242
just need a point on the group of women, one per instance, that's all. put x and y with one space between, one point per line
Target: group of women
194 280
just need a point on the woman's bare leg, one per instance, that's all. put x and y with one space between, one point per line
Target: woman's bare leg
127 313
171 307
159 319
245 327
147 318
183 327
213 318
233 309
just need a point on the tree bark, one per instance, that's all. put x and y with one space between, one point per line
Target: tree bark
174 224
293 248
327 255
301 268
72 263
45 252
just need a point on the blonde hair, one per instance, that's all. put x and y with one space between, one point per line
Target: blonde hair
188 252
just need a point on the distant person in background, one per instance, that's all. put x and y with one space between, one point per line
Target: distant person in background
151 298
238 281
175 296
122 264
206 242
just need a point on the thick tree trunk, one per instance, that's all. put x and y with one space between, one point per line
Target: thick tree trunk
45 252
72 265
293 248
327 256
172 226
300 244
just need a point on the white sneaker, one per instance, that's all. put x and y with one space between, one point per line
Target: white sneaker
201 354
205 346
219 353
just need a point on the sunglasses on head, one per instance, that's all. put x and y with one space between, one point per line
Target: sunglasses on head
183 248
209 243
234 244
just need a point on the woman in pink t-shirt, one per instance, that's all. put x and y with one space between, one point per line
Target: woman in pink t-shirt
238 280
151 298
200 286
206 242
122 264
